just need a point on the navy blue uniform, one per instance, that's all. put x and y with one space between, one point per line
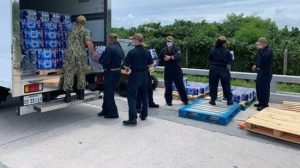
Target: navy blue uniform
264 66
219 58
173 73
111 61
140 95
138 59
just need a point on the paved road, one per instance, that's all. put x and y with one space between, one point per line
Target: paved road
76 137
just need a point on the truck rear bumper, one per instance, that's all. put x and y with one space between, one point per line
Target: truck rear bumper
57 104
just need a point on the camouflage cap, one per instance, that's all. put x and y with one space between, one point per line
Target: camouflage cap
81 19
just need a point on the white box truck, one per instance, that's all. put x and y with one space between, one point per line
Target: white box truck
37 93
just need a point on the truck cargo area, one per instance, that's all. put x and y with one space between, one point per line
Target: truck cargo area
42 92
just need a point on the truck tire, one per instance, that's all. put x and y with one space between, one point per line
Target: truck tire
154 82
122 88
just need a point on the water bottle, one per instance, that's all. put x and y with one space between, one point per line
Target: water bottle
44 54
43 16
68 26
32 35
52 44
65 18
44 64
50 26
32 44
55 17
51 35
28 14
28 25
189 90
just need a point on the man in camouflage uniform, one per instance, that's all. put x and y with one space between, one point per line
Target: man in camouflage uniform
75 61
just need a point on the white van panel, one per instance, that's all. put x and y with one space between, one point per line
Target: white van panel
6 44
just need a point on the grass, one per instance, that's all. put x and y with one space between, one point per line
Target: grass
281 87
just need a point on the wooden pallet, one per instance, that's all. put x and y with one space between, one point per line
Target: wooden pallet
280 124
291 106
190 97
50 72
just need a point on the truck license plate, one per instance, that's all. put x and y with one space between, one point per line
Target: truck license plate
33 99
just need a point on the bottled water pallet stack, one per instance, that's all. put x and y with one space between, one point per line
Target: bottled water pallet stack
201 110
194 90
44 41
244 96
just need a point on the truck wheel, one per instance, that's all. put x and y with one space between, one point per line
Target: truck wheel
154 82
122 88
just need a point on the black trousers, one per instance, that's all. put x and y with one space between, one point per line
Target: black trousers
176 77
109 105
217 73
136 81
140 94
263 81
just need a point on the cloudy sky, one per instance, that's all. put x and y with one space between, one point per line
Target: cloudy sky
129 13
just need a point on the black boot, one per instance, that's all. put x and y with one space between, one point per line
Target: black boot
257 105
130 122
101 114
81 94
153 105
212 102
67 98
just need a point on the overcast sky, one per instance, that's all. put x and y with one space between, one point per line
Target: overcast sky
129 13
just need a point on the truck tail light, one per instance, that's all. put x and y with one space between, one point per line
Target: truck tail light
36 87
100 78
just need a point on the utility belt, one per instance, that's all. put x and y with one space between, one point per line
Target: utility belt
140 70
115 69
218 65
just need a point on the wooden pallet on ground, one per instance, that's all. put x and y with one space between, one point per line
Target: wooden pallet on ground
190 97
50 72
280 124
291 106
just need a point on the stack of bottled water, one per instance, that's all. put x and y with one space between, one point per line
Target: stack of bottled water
44 39
95 66
243 94
194 88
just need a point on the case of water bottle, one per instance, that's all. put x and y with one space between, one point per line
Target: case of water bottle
44 39
243 94
95 65
154 57
193 88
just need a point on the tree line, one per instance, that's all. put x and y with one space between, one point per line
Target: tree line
196 39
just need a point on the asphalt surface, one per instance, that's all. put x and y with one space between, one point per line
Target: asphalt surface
76 137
